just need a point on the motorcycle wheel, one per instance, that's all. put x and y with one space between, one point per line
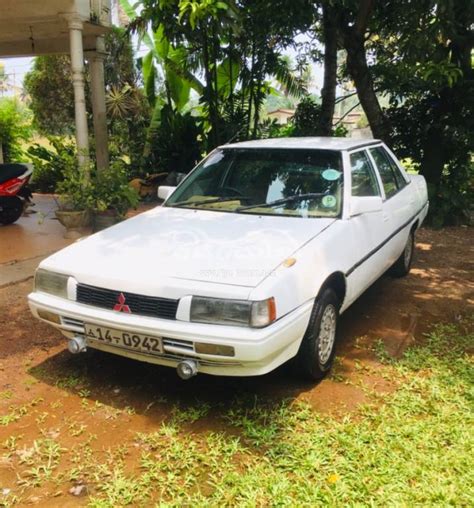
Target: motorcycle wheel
12 210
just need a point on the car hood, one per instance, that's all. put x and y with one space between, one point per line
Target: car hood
182 244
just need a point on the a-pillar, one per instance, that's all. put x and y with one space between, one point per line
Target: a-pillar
77 67
96 62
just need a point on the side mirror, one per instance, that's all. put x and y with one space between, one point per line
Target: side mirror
365 204
164 191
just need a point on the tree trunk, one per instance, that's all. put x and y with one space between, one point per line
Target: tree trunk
433 159
231 88
360 73
215 58
251 90
209 92
257 98
328 92
435 155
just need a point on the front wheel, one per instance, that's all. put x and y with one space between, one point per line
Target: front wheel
11 209
403 263
317 350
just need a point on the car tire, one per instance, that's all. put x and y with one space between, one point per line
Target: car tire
317 350
402 265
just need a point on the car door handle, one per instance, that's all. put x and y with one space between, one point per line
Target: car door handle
385 217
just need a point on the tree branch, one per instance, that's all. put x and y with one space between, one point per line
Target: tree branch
363 15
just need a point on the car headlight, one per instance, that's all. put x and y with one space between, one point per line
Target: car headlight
51 282
233 312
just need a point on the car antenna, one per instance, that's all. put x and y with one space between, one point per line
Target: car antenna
234 136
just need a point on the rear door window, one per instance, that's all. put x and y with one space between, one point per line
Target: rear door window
391 177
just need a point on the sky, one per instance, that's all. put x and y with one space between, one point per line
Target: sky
16 68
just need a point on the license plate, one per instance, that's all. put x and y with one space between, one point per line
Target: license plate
127 340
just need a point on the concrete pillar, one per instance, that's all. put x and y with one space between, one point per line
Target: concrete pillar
77 67
96 62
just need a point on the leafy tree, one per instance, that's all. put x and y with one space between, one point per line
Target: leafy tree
268 27
15 127
423 62
49 87
227 50
354 19
307 117
127 109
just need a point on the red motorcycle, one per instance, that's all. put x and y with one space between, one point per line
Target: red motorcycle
14 192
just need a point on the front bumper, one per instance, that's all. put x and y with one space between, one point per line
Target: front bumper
257 351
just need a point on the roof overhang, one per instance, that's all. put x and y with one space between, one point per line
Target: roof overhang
32 27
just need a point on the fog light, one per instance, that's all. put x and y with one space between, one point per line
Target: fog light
187 369
49 316
77 345
213 349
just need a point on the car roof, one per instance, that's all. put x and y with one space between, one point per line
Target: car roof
321 143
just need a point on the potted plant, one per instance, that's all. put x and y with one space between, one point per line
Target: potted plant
73 201
112 196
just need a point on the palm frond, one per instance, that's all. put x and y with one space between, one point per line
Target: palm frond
285 76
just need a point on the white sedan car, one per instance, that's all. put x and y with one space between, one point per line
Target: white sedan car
248 263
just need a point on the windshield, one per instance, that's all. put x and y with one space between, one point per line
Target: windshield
289 182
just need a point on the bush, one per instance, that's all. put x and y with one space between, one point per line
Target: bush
451 203
175 143
50 164
74 189
272 129
110 190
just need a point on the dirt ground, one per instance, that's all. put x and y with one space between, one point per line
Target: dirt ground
46 392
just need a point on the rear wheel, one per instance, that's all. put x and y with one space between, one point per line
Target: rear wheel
403 263
12 210
318 347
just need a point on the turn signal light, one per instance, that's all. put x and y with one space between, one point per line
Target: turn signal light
213 349
49 316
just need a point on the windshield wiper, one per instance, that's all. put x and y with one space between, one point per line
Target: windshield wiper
208 201
277 202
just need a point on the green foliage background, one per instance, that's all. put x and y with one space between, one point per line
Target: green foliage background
15 127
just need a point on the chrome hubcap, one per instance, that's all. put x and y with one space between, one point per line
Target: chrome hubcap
327 334
408 252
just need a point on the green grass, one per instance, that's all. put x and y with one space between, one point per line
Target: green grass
412 447
17 412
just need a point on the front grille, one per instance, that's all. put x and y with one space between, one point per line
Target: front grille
153 306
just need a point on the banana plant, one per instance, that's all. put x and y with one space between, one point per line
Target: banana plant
163 61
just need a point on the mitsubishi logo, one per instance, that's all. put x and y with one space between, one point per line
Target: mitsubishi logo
120 305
